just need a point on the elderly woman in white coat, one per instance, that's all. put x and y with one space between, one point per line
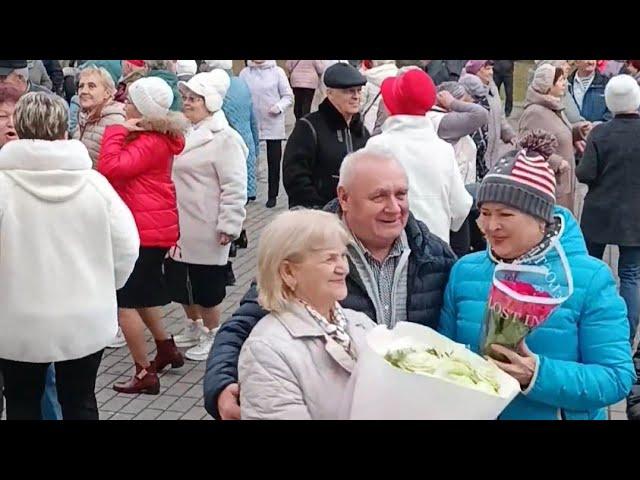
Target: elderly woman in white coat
210 176
272 96
68 242
297 361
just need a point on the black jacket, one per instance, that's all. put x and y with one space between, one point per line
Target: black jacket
430 262
55 74
311 162
611 168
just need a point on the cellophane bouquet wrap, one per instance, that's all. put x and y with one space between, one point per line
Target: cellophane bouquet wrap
522 297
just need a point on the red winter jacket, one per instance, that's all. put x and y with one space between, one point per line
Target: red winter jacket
138 167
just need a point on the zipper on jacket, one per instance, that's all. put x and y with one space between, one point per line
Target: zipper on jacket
349 140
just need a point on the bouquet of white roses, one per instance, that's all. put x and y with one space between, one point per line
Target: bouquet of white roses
414 373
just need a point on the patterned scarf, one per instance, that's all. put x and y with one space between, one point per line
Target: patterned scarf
335 327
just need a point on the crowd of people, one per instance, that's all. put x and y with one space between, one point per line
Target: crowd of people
124 185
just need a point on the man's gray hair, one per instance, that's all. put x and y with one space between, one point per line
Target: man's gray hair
22 72
41 116
371 153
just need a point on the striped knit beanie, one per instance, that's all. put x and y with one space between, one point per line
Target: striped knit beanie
523 181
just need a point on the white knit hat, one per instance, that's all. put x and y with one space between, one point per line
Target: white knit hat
209 85
152 96
223 64
186 67
622 94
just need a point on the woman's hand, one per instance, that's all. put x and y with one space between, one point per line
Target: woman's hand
445 99
225 239
275 110
132 125
580 145
522 364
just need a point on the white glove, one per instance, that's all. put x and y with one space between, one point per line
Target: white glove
275 110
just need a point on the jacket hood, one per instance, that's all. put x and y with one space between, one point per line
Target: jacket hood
174 126
377 74
408 124
52 171
549 101
266 64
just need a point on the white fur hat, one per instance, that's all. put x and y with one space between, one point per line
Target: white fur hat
209 85
186 67
223 64
622 94
152 96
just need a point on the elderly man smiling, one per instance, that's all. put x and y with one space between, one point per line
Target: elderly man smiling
397 268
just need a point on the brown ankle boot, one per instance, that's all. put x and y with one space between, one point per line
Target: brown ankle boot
167 354
144 381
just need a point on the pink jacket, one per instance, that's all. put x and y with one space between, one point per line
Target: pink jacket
305 73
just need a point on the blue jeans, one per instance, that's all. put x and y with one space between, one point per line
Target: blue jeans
49 404
629 273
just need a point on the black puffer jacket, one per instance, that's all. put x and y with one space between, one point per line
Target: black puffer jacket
429 265
311 163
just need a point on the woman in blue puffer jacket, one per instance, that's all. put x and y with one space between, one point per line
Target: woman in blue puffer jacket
579 361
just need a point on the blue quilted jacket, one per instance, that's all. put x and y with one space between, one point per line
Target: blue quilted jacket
584 356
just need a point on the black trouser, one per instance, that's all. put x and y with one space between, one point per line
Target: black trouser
75 382
274 157
460 241
506 78
303 99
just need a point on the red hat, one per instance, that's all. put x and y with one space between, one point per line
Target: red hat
137 63
410 93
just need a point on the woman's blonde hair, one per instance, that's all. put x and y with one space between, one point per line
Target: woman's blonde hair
41 116
105 77
289 237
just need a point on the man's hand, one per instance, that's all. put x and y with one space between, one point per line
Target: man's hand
229 402
445 99
225 239
580 145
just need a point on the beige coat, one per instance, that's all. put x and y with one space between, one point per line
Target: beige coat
290 370
91 130
545 112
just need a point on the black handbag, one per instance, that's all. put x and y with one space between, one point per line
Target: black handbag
242 241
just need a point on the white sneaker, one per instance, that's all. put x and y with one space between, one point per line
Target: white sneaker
190 336
119 341
201 351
